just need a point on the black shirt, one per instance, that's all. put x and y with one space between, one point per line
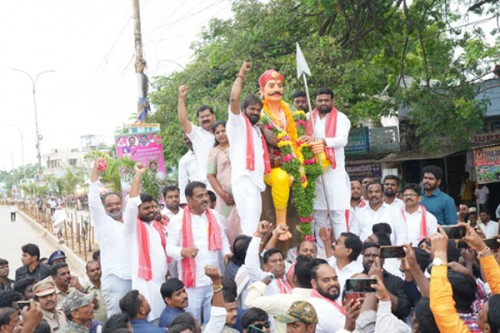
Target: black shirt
39 273
396 286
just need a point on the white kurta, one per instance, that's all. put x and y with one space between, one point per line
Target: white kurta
366 217
203 141
149 289
397 203
330 319
490 230
354 267
199 225
413 225
336 180
188 171
110 236
248 183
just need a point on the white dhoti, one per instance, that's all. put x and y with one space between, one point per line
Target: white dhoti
248 203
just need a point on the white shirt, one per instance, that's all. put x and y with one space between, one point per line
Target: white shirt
159 268
167 212
203 141
366 217
337 180
490 230
188 171
354 267
255 273
199 225
413 224
237 135
274 305
60 216
330 319
482 194
13 208
109 236
397 203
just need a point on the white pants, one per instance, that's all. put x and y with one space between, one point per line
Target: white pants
113 289
321 219
248 203
200 301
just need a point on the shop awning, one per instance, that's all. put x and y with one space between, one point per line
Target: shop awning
415 155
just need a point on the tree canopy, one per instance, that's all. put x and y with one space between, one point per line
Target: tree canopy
362 49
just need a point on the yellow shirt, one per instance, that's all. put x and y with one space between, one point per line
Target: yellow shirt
441 295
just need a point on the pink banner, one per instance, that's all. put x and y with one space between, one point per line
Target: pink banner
143 147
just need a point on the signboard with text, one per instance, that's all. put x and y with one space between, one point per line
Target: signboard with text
357 142
487 164
363 170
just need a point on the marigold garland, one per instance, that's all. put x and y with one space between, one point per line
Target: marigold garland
298 160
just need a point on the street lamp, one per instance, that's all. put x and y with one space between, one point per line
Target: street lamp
38 136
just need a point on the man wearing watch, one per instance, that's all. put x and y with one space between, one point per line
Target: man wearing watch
441 293
273 262
277 304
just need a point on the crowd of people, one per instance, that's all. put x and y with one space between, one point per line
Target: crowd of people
380 256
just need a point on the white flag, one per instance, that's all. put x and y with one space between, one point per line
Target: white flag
302 67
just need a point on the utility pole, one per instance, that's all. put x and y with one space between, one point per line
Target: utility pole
38 135
140 64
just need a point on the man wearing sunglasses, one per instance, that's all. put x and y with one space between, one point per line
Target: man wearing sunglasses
255 320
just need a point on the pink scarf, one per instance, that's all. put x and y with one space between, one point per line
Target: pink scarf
284 287
188 264
145 272
361 204
423 222
251 151
330 131
335 304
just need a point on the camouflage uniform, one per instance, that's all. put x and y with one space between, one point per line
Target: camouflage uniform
300 311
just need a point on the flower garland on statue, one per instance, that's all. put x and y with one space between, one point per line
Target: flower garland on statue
298 161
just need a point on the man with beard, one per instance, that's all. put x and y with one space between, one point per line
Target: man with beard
440 204
248 152
145 238
331 131
419 222
357 202
5 282
45 294
107 216
391 186
326 291
300 101
188 168
137 307
175 296
93 269
377 211
201 136
372 265
196 239
171 195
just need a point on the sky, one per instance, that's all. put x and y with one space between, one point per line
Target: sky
90 46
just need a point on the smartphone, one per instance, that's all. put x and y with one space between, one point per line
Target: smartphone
360 285
454 232
392 252
492 243
22 304
461 245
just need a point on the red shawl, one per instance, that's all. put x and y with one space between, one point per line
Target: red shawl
251 151
315 294
423 222
145 272
188 264
330 131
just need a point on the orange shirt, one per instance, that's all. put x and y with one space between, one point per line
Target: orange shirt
441 295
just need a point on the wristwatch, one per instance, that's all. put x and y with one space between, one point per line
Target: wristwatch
437 262
270 276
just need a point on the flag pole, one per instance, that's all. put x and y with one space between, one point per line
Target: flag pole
301 62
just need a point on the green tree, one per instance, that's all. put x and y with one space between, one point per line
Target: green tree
360 48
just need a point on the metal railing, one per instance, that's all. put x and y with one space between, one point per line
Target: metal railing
78 231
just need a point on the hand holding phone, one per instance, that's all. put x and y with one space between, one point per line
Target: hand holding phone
392 252
454 232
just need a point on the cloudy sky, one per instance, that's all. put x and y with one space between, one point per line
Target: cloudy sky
90 45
